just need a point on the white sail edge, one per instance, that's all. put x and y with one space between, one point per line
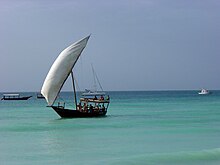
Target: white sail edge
61 69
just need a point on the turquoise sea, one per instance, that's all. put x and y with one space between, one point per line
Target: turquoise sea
141 128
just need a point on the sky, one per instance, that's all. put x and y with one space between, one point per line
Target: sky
134 44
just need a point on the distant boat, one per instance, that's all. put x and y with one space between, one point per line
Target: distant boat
40 96
94 92
204 92
88 106
14 97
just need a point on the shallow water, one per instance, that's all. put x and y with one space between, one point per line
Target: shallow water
152 127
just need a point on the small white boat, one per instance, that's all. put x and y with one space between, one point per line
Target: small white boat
92 93
204 92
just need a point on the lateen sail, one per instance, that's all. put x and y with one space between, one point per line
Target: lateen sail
61 69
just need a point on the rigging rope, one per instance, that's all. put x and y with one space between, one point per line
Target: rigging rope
96 77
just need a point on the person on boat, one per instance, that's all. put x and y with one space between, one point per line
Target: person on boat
80 107
108 98
95 98
96 108
85 107
103 107
90 108
101 98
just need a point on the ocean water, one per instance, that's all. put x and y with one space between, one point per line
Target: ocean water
144 128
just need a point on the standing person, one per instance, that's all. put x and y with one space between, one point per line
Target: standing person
90 108
101 98
85 107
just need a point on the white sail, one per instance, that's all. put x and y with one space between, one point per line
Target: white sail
61 69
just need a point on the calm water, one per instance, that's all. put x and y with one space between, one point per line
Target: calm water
149 128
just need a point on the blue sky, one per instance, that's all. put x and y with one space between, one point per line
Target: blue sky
134 44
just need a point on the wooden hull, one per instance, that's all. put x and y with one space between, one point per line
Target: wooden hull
17 98
68 113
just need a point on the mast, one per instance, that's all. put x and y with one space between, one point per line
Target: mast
94 77
74 89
